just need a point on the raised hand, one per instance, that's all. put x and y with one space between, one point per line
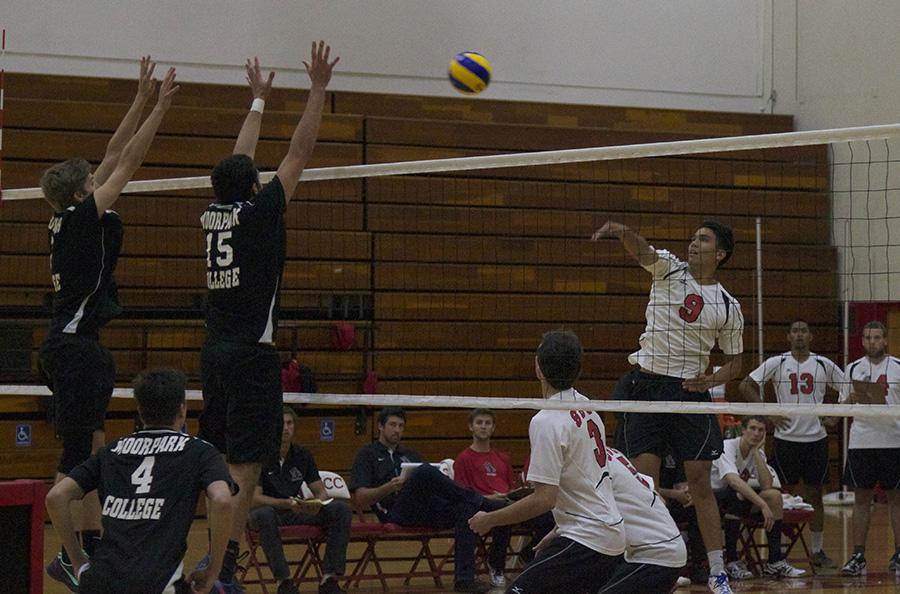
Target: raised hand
166 90
318 67
610 230
145 79
259 87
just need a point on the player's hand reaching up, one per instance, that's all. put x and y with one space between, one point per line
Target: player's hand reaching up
609 230
145 79
167 89
259 87
318 67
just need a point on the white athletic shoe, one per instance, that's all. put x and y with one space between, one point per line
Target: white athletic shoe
782 569
683 582
498 580
737 570
718 584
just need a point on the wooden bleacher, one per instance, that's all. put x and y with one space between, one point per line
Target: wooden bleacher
450 279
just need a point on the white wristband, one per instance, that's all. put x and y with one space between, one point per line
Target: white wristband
258 105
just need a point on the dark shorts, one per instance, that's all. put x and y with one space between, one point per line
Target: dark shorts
81 374
242 401
641 577
808 460
687 437
865 467
565 566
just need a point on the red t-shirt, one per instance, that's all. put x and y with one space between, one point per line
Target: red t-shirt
483 472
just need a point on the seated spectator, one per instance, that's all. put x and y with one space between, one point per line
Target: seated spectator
423 498
278 502
486 470
743 461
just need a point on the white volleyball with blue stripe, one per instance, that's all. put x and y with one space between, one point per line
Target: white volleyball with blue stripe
469 73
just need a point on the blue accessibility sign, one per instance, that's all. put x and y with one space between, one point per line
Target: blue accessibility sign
23 436
326 430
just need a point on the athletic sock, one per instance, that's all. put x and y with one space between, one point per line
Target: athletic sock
89 540
716 563
817 539
229 563
732 532
774 538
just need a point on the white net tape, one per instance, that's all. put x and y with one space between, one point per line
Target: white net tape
406 400
633 151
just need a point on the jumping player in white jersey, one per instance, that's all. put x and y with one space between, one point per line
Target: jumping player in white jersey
571 476
801 443
85 240
873 454
688 313
245 252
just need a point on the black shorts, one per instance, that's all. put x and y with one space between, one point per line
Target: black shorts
688 437
731 504
81 374
808 460
242 401
865 467
641 577
565 566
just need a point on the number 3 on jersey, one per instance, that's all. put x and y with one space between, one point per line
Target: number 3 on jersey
143 475
594 431
690 311
224 254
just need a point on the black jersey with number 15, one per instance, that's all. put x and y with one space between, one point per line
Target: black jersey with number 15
245 251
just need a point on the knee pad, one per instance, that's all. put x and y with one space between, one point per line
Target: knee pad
76 449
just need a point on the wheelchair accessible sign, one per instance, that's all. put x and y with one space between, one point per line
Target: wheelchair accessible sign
23 436
326 430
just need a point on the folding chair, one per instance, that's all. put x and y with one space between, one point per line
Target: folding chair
792 526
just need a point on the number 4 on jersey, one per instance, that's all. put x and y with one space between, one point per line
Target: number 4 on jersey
143 475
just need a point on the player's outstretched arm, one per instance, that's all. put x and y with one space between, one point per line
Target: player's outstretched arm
304 137
221 509
136 148
249 134
541 501
634 244
58 502
730 370
128 124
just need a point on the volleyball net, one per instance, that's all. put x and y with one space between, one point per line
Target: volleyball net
434 280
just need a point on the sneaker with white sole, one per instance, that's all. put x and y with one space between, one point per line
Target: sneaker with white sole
498 580
63 573
737 570
854 565
782 569
718 584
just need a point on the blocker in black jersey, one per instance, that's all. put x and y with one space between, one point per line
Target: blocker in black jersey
148 483
241 371
245 248
84 249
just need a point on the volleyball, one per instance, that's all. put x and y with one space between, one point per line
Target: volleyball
469 73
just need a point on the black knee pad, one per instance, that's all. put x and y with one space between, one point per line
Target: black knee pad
76 448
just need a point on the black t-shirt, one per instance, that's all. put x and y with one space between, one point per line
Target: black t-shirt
148 483
245 250
84 250
374 466
285 478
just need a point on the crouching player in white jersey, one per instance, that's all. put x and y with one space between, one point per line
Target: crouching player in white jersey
801 443
688 313
571 477
655 550
873 451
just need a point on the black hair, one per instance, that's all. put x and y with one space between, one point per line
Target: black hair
234 178
159 394
724 239
390 411
559 358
